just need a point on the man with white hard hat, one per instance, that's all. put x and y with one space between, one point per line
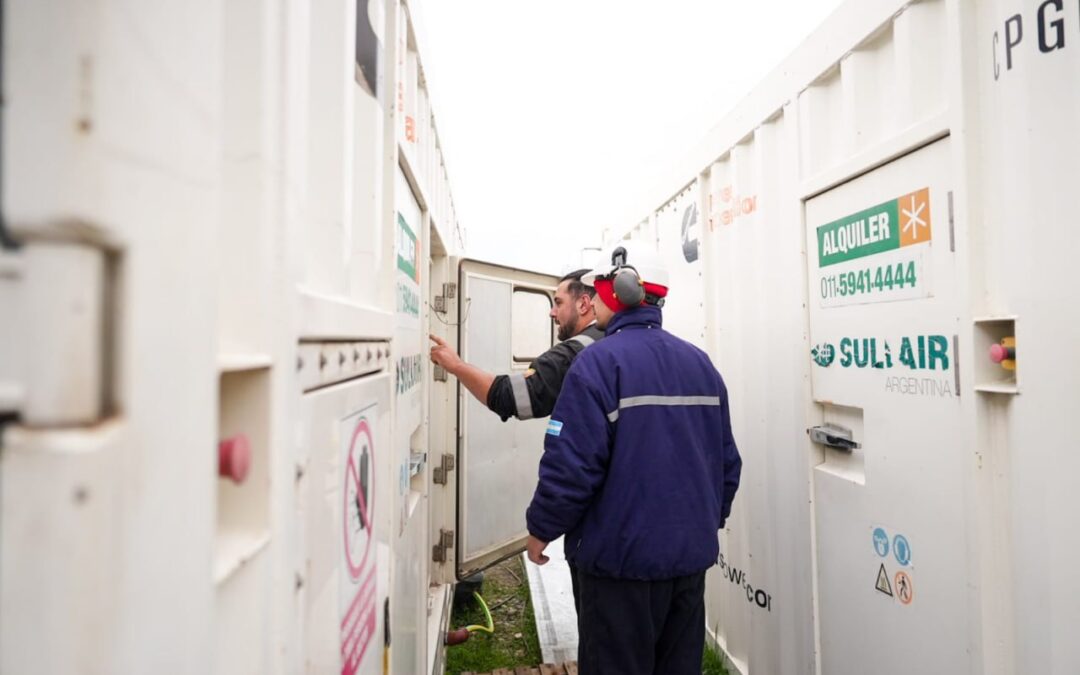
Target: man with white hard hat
532 393
639 472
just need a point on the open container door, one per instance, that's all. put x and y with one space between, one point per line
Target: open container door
503 325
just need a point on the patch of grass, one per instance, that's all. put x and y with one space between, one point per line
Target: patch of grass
514 642
712 663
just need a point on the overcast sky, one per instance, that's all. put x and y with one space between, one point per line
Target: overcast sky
550 112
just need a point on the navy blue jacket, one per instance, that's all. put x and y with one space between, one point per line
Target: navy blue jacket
639 465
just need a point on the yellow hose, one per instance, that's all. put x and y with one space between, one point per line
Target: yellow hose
490 627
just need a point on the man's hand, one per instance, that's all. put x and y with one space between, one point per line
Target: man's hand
443 355
535 547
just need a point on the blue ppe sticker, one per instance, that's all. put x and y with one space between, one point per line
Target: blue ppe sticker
881 542
554 428
901 549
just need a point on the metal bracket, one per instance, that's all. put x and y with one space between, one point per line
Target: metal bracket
439 373
441 474
450 290
445 543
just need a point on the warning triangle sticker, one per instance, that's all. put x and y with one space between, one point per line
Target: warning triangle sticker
883 582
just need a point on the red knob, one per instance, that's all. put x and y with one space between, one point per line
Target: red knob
999 353
234 458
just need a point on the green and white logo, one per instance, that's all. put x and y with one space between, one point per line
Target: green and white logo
917 352
823 354
897 223
408 250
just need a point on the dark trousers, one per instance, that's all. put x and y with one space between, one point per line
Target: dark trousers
628 627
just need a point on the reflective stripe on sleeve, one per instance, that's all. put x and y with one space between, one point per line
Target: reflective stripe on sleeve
583 340
521 396
634 401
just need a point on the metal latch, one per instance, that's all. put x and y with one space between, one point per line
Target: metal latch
441 474
834 436
439 373
445 543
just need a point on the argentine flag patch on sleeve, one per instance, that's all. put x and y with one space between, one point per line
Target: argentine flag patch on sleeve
554 428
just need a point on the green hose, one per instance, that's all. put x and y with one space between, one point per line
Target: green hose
490 627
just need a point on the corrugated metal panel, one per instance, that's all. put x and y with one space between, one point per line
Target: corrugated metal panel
754 263
986 508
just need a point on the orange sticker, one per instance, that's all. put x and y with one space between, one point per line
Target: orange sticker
903 589
914 217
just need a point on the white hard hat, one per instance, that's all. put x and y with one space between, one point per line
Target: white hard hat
635 254
631 275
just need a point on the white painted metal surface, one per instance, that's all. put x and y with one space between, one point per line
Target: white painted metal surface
60 309
207 196
678 228
886 367
957 111
345 531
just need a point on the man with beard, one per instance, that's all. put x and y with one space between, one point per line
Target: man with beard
532 393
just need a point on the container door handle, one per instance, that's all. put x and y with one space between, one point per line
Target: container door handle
834 436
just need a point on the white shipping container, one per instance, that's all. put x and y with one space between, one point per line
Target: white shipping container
890 203
222 446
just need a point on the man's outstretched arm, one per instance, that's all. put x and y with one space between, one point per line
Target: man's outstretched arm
476 380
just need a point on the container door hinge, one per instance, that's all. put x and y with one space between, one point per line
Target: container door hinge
449 292
439 373
445 543
441 474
